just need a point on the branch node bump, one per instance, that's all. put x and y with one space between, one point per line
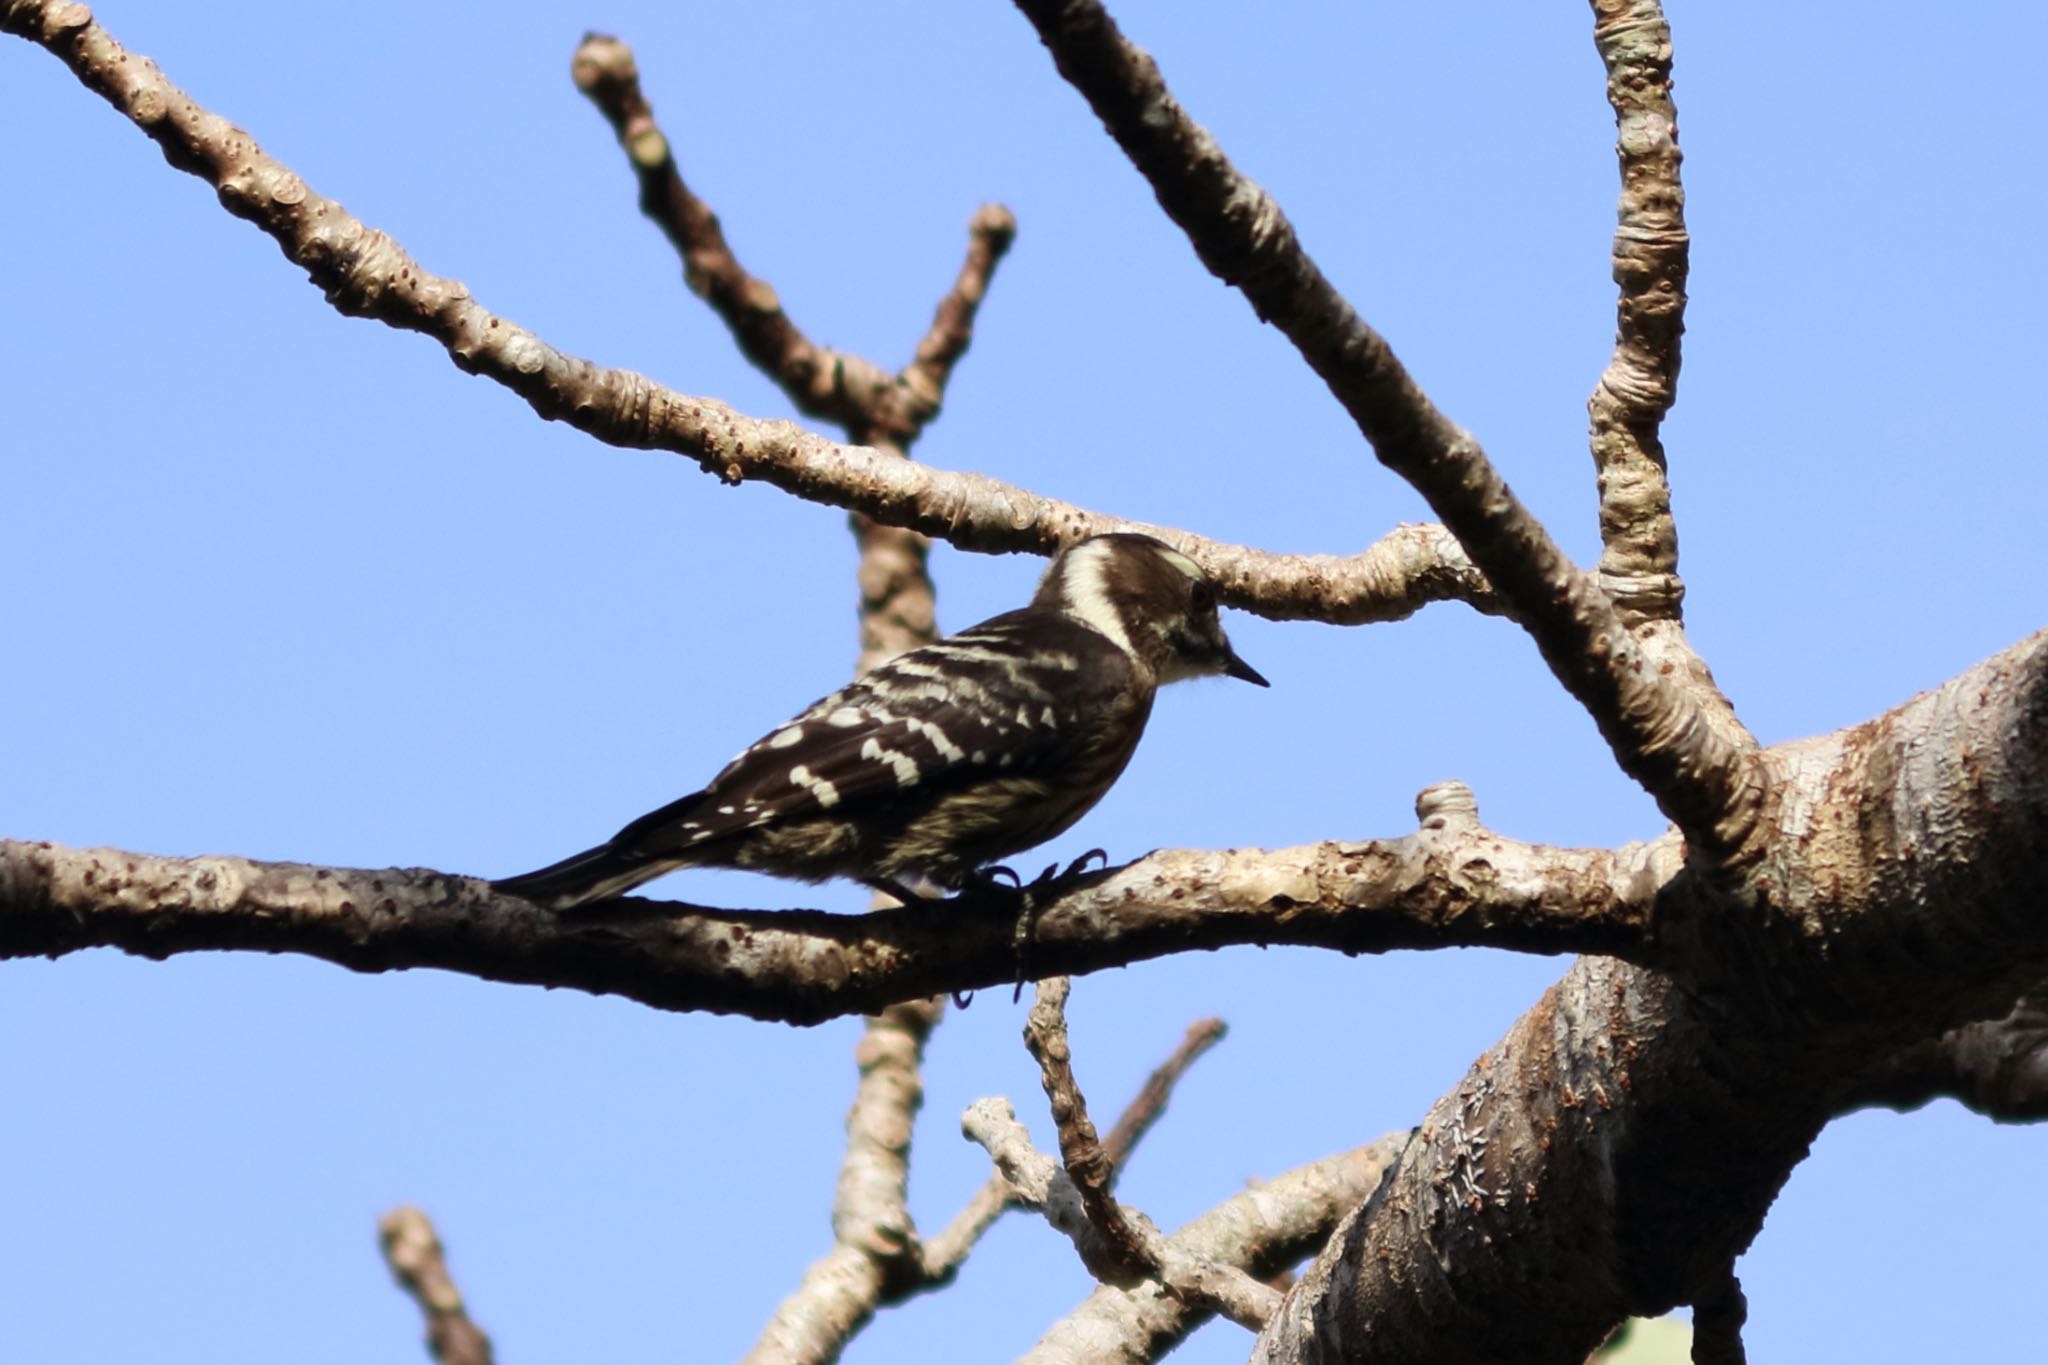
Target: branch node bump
1444 805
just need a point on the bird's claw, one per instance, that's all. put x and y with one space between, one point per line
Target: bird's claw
1080 864
1004 882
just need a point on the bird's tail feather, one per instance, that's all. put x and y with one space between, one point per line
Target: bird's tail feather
594 874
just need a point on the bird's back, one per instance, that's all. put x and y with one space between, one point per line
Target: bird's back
949 756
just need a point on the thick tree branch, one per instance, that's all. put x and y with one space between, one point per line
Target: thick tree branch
1618 1149
1697 769
1997 1067
364 273
1453 883
413 1251
1607 1158
1639 559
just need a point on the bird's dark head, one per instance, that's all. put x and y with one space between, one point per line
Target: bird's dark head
1149 599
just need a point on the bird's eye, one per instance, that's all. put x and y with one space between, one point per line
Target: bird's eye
1203 599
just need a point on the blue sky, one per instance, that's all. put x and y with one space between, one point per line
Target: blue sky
289 585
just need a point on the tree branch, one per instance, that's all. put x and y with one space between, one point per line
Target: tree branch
1557 1187
413 1251
945 1252
1121 1254
847 390
1453 883
875 1256
364 273
989 234
1149 1105
1996 1067
1041 1184
1639 559
1717 1318
1261 1232
1698 770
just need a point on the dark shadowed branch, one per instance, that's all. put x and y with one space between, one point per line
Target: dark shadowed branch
1997 1067
1718 1315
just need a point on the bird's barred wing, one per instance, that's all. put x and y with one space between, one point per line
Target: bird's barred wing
1000 698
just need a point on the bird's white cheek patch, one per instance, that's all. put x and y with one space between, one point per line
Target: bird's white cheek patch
827 795
1085 581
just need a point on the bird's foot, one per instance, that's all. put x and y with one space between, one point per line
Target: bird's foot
1027 898
1079 865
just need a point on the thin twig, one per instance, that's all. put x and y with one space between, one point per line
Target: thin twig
848 390
823 383
1209 1282
945 1251
1045 1034
989 234
1699 772
1266 1228
1149 1105
413 1251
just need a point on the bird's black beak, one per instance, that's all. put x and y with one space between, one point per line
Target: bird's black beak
1234 667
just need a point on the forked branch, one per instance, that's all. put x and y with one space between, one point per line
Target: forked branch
1698 770
848 390
364 273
